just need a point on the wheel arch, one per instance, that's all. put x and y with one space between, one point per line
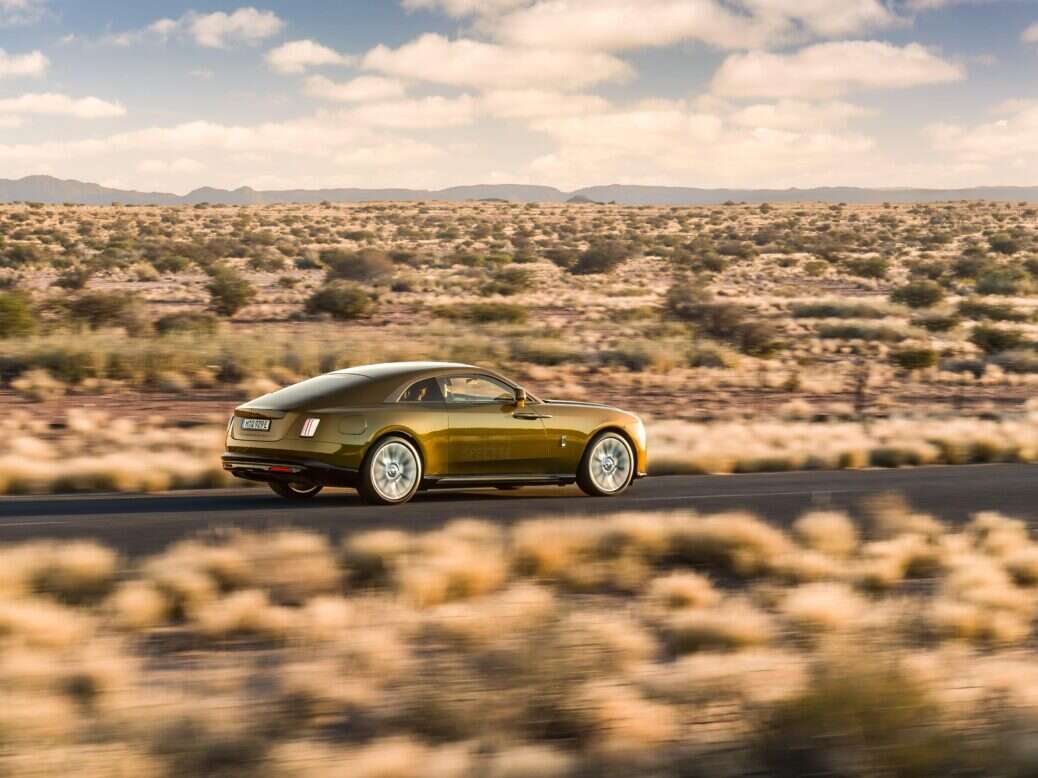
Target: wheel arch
396 432
611 426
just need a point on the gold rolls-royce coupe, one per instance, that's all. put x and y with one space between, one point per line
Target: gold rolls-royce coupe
394 429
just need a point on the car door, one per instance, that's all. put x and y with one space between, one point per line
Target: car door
489 435
422 409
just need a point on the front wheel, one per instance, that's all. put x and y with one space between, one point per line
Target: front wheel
391 473
295 491
607 468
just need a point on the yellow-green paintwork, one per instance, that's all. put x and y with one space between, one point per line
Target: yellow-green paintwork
479 439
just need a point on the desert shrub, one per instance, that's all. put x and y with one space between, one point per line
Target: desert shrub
936 322
970 265
23 254
342 300
918 294
868 267
229 291
545 351
485 313
855 331
726 321
995 339
756 339
914 358
736 248
978 309
1004 243
879 719
1004 281
837 310
367 266
601 257
105 309
187 321
1020 361
562 257
17 318
74 279
508 281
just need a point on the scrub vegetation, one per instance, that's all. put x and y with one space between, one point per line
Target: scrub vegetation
639 644
873 327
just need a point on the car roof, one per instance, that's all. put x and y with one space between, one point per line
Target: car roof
403 370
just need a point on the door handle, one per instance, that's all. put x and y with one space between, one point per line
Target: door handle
530 415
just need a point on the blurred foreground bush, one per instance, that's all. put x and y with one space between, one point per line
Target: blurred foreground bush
638 644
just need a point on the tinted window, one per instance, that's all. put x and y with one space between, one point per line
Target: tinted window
319 388
469 389
427 391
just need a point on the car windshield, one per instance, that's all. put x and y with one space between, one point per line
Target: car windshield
321 387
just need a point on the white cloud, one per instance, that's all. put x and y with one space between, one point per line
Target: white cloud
615 25
328 149
15 12
364 89
61 105
831 69
824 18
1014 136
423 113
181 166
297 56
248 25
388 154
797 115
463 8
537 104
32 64
1030 35
217 30
668 142
469 63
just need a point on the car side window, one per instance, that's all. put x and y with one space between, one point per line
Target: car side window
476 389
427 391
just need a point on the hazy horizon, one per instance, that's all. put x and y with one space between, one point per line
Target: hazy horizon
430 94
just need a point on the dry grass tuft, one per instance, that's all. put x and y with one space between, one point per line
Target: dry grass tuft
827 531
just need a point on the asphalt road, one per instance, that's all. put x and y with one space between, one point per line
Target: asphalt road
137 524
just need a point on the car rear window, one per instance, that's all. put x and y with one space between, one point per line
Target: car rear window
313 389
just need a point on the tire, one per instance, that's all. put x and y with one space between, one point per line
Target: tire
295 491
607 467
391 473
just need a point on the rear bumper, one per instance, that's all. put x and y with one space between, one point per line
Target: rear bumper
254 467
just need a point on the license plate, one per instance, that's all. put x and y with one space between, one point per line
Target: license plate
255 425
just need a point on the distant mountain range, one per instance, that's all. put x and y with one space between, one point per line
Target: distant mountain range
46 189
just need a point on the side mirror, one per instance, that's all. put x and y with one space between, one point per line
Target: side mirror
520 398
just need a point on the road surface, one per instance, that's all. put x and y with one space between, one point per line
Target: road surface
140 524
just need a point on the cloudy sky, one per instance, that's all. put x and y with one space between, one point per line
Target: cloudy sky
163 95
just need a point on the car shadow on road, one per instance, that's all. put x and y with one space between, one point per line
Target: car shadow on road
261 501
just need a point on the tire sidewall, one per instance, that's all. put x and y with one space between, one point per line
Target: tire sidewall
367 487
584 479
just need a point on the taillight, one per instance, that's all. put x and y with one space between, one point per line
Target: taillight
309 428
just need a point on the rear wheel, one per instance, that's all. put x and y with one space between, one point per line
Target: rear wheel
392 472
295 491
607 468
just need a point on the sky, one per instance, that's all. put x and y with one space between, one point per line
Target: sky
168 96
